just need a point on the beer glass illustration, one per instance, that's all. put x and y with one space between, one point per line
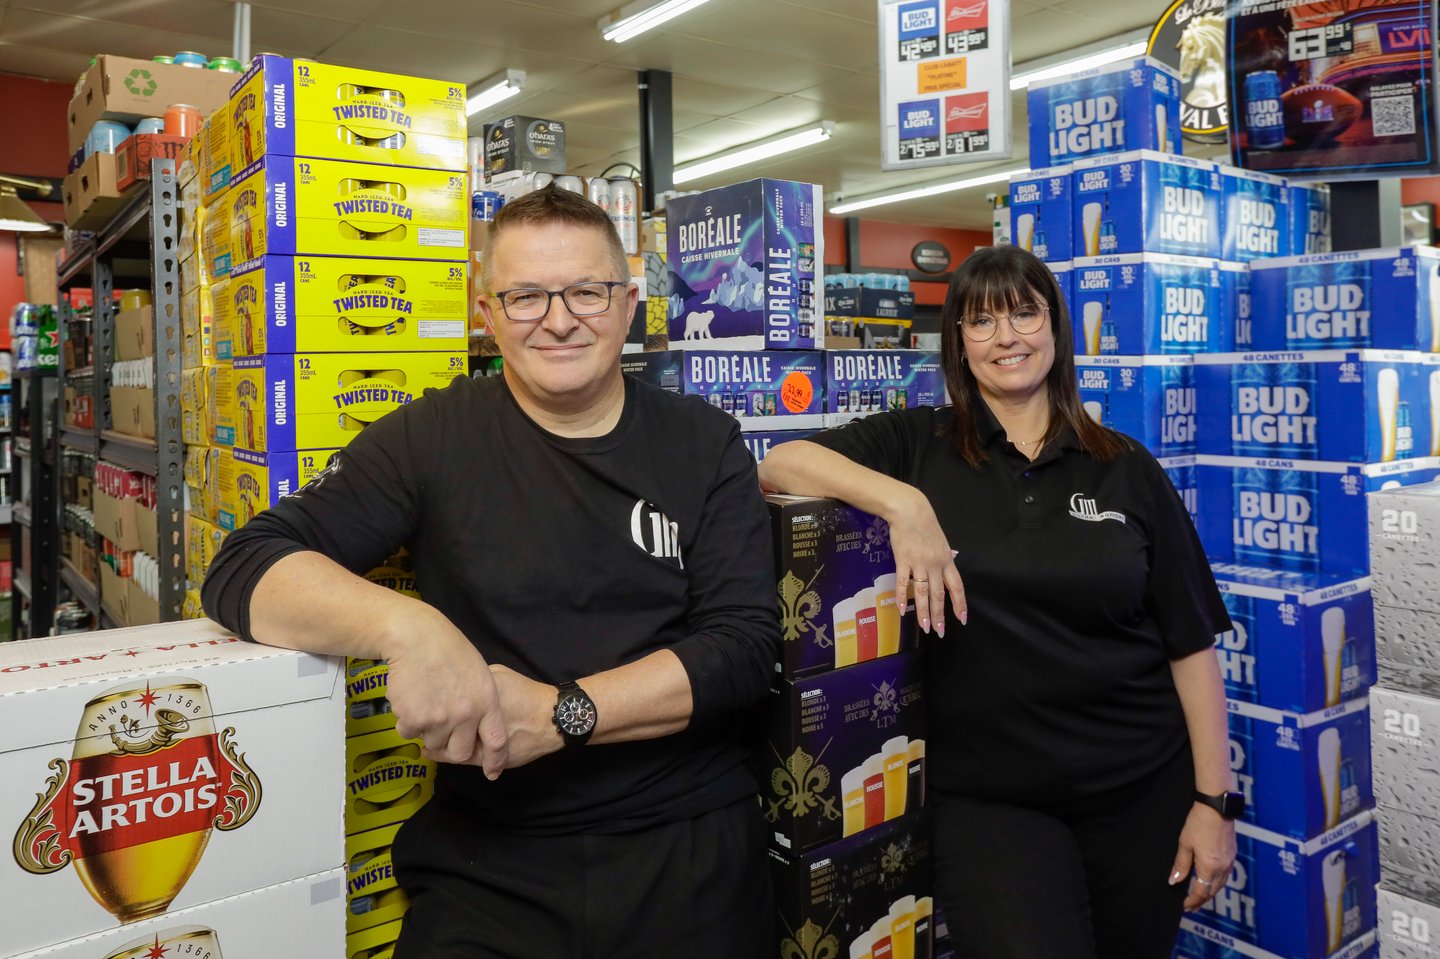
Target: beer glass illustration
867 625
887 615
199 941
1329 758
896 756
1025 231
1090 226
1093 316
924 927
902 928
1162 129
842 615
1387 398
852 802
1332 641
873 774
880 942
1095 410
860 948
915 789
1332 879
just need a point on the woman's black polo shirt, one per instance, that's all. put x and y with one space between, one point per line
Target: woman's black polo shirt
1083 579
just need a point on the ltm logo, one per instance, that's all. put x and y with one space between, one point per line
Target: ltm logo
655 533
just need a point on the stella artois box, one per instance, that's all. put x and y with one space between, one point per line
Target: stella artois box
147 771
296 918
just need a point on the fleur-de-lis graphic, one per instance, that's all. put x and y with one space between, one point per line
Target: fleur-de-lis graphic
810 942
877 540
799 605
892 863
886 699
797 782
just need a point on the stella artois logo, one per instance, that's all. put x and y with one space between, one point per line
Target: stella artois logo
183 942
133 808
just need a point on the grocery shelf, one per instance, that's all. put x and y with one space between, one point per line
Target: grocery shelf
131 452
85 591
77 266
78 439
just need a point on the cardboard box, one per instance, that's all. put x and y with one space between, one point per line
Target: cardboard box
843 752
1296 898
91 195
1151 398
202 481
1407 853
850 895
372 943
1406 745
1236 280
1310 230
867 301
1405 547
135 334
301 108
227 746
788 387
386 780
120 88
195 426
1146 202
1149 303
745 264
1130 105
114 592
1180 470
1387 299
759 444
372 896
133 156
121 520
217 250
295 207
132 411
836 586
525 144
860 382
1407 927
218 168
1299 515
1196 941
366 709
1302 774
321 400
251 483
1064 272
1407 649
1042 213
197 325
1301 642
202 542
282 304
1255 215
141 609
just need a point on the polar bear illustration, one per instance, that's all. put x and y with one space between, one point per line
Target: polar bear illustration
697 325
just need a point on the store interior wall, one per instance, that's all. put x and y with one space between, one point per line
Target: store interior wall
36 146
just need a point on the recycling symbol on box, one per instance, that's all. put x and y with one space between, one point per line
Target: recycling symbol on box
140 83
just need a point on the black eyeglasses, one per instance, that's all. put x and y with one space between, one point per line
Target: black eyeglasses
1025 319
528 304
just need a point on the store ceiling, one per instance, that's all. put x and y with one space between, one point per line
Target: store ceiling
743 69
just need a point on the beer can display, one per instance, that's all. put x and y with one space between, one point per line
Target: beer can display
1264 120
598 191
624 200
182 120
225 65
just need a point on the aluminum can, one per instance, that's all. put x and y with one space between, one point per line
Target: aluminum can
1264 121
189 58
598 190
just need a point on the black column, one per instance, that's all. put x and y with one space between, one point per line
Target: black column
1364 214
657 137
852 244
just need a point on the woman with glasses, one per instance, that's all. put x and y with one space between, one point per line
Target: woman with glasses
1078 760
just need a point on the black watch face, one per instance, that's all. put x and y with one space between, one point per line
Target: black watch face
575 714
1233 805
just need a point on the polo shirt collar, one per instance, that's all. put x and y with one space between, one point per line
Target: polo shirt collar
992 434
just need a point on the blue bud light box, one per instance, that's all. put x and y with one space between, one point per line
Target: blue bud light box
1149 303
1041 215
1151 398
1146 202
1310 230
1256 215
1130 105
1197 941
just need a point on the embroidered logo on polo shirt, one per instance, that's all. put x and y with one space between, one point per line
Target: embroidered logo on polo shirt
655 533
1083 508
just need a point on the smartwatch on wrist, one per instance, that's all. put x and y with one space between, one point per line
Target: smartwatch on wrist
574 714
1230 805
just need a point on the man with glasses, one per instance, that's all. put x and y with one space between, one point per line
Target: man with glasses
598 612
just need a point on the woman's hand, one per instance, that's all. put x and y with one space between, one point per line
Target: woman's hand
1207 847
922 553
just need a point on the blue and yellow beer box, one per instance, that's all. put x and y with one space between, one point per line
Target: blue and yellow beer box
192 205
314 401
202 480
255 481
283 304
195 425
376 942
202 542
284 107
290 207
387 780
197 324
215 168
372 896
191 607
216 239
366 708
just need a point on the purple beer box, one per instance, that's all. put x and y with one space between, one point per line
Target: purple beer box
861 382
1150 398
868 895
745 265
1146 202
1408 928
1298 898
844 752
836 586
1309 218
1256 215
1041 213
1130 105
1364 299
1197 941
760 444
1300 641
765 391
1149 303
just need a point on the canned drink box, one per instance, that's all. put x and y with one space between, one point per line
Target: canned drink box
1064 272
745 265
1149 303
861 382
372 895
1298 898
251 483
1404 526
288 207
1256 215
1196 941
386 780
1235 279
1149 398
879 303
366 709
283 304
1130 105
377 942
1407 853
202 542
195 425
524 144
1042 213
217 254
202 482
1406 651
217 165
1146 202
1387 299
787 389
321 400
301 108
191 607
1180 470
1406 746
1408 928
759 444
1310 230
197 324
1299 642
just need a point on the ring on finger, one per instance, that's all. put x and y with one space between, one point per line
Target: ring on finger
1207 883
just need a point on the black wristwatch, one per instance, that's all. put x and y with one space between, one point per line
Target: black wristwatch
1230 805
574 714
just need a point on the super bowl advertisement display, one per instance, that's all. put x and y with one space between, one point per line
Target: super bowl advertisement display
1335 88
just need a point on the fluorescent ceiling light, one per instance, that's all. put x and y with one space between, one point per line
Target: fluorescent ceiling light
497 89
933 189
755 152
630 21
1128 51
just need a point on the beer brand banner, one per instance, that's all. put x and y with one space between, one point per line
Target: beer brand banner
944 82
1332 89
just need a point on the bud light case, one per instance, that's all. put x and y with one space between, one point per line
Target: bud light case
1366 299
1255 216
760 444
1064 272
1180 470
765 391
1146 202
861 382
1131 105
1310 230
745 264
1298 898
1235 280
1041 214
1149 303
1300 641
1150 398
1196 941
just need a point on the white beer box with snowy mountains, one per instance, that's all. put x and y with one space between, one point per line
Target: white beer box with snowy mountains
144 771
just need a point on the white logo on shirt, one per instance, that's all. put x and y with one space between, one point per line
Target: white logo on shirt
655 533
1082 508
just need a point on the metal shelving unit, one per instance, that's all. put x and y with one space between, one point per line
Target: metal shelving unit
35 514
140 245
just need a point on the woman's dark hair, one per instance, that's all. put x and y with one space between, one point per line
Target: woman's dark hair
998 279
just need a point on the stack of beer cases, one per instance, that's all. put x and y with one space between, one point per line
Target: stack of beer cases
170 791
1405 716
841 752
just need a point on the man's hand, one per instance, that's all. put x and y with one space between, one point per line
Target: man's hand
529 711
443 694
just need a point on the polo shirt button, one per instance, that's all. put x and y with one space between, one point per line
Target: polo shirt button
1027 474
1029 499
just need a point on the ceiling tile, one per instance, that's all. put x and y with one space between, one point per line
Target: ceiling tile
856 90
716 99
76 35
32 61
212 19
702 59
795 33
351 11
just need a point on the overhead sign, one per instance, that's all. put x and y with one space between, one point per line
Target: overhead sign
944 82
1190 37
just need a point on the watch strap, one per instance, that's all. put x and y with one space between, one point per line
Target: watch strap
564 690
1230 805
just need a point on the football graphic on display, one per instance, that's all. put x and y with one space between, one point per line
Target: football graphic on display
1317 113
